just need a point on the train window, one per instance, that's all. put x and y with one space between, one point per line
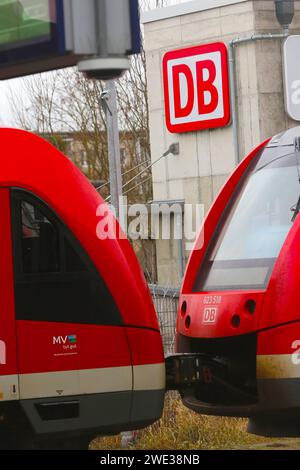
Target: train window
73 262
55 280
251 235
40 241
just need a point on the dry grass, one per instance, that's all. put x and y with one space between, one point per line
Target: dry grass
180 428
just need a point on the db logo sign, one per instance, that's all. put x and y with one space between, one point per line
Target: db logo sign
196 88
210 315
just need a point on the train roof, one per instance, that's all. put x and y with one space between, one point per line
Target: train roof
286 138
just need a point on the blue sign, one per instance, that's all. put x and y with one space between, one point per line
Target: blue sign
135 27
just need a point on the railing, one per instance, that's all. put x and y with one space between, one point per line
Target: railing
166 303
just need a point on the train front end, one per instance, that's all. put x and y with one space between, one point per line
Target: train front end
239 309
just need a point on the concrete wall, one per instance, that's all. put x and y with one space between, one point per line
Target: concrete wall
272 116
207 158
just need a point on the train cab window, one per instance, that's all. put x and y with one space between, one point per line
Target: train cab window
40 241
55 279
73 262
254 227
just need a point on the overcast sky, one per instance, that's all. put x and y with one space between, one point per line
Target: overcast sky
6 116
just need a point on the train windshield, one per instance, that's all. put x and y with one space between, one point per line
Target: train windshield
250 238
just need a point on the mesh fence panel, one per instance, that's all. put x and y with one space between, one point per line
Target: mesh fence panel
166 303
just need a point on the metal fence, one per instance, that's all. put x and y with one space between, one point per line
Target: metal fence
166 303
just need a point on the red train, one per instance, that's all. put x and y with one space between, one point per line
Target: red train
80 348
239 312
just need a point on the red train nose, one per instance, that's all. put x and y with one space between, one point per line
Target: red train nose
219 315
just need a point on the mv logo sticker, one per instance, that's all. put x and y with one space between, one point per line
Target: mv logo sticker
210 315
2 353
70 339
196 88
65 345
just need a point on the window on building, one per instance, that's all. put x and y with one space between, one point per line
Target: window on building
83 159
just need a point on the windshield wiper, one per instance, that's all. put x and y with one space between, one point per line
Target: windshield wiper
296 210
296 207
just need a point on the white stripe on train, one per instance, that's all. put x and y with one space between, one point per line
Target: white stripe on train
277 366
80 382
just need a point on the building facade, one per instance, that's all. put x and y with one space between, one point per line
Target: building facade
206 158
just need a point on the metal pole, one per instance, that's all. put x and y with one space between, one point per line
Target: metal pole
181 257
113 142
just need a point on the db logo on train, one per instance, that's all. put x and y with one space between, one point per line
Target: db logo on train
210 315
196 87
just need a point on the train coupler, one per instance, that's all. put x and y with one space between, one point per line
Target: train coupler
187 370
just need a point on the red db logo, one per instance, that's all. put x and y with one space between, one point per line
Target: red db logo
196 88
